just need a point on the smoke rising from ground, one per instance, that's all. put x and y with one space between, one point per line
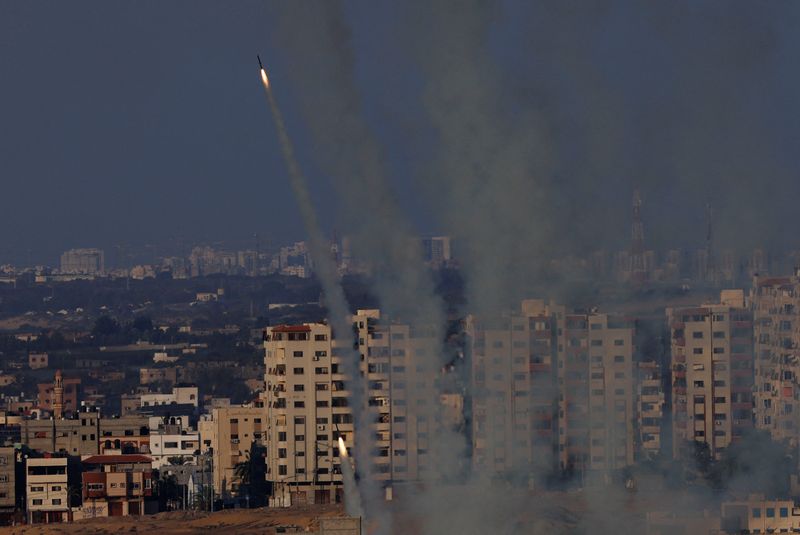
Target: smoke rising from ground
538 153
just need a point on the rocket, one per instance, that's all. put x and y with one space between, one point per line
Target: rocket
263 72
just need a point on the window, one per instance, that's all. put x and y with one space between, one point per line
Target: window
281 453
321 371
784 512
170 444
619 342
282 470
298 371
299 404
697 351
619 358
320 337
234 420
770 512
281 436
320 354
37 489
697 334
756 512
37 502
299 388
297 354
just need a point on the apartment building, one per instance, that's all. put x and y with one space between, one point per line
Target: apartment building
650 413
46 490
776 316
83 261
171 438
757 515
228 434
552 389
8 494
514 398
117 485
86 434
612 385
712 372
308 403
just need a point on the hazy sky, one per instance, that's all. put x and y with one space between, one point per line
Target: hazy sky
141 121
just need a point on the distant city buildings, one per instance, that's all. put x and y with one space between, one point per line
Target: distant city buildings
83 262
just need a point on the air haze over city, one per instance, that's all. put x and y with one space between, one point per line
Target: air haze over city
400 267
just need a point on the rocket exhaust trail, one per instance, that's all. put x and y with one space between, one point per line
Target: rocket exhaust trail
352 502
337 303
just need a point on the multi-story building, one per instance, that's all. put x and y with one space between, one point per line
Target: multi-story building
8 493
83 261
228 434
87 434
712 373
308 403
551 390
117 485
776 309
171 439
436 250
650 410
47 490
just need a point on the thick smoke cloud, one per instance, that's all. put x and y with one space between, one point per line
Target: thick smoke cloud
546 117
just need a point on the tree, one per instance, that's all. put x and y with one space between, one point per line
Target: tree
105 326
242 470
143 324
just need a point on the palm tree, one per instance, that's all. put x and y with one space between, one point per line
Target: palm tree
242 470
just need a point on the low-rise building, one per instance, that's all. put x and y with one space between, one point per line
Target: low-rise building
37 361
758 515
180 395
148 376
117 485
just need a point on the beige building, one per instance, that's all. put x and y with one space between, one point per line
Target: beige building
650 414
88 434
308 407
228 433
776 318
46 490
7 480
712 373
758 515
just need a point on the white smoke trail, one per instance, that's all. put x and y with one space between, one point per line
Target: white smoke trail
338 309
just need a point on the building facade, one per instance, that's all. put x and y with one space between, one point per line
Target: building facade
712 373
